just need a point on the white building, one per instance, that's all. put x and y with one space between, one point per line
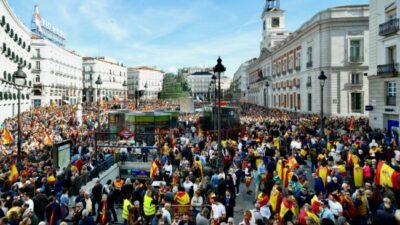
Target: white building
146 79
384 79
334 41
112 75
57 74
14 49
199 84
186 71
240 82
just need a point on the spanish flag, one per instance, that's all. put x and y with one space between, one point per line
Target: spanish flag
351 124
303 214
153 170
6 136
47 140
358 174
262 199
386 175
287 206
199 164
315 204
182 198
352 159
275 199
14 173
323 172
292 163
279 169
287 176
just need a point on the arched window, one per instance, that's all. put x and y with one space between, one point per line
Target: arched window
3 21
5 75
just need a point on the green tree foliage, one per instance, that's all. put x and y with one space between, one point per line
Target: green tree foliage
174 87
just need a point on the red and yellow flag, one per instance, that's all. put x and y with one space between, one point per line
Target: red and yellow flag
279 169
153 170
292 163
14 173
53 212
315 204
287 176
386 175
182 198
47 140
6 136
303 214
323 173
358 174
275 199
287 206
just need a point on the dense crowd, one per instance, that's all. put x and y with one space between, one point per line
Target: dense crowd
294 172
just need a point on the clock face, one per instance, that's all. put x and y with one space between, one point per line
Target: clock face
275 22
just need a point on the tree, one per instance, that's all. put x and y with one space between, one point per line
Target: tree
173 87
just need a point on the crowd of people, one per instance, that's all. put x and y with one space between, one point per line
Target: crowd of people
292 171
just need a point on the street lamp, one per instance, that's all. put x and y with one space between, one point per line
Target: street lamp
219 68
99 82
266 96
214 109
145 92
322 78
19 80
125 85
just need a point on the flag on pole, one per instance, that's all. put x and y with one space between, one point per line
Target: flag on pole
6 136
386 175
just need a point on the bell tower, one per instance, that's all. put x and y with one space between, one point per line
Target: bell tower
273 19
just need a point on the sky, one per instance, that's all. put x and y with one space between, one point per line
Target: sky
168 34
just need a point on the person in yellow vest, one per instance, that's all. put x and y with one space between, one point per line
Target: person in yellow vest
149 206
125 209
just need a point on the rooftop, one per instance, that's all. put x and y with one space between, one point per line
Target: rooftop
143 68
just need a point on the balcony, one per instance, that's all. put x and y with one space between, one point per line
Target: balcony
357 59
290 71
298 68
37 57
36 70
309 65
388 69
283 72
391 100
298 86
353 86
308 84
389 27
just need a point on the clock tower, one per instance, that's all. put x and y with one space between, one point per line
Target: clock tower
273 20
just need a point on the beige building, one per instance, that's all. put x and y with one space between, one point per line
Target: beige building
384 79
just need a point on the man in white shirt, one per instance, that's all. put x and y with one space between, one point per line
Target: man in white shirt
335 207
218 210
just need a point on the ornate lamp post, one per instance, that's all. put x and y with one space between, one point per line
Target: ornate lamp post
19 79
322 78
99 82
125 85
214 109
219 68
266 96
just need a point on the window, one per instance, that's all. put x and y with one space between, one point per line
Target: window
37 53
291 101
356 100
309 57
291 63
298 61
278 71
308 81
355 51
37 79
284 66
298 101
355 78
391 54
264 25
309 102
391 93
37 65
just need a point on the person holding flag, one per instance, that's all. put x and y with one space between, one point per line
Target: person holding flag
103 214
